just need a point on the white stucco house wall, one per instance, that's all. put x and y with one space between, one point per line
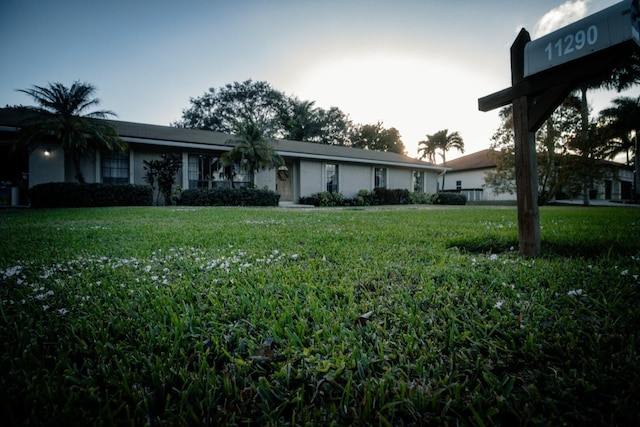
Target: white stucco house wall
466 175
309 167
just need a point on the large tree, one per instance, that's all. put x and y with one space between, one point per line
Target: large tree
335 127
252 151
559 167
225 109
279 115
302 122
440 142
625 75
305 122
62 114
377 137
623 122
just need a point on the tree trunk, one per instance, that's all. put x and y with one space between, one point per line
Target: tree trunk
444 161
636 161
76 166
585 141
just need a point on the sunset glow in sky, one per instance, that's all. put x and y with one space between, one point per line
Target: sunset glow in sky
417 65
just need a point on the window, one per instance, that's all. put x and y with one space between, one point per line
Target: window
115 167
418 182
458 185
380 178
206 172
332 177
241 177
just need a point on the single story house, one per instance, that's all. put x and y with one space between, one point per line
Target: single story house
309 167
466 175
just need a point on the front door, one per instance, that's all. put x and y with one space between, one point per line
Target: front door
284 182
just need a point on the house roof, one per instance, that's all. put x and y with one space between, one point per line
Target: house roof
141 133
487 159
484 159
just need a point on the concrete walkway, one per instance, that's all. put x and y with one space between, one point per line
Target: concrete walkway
293 205
580 202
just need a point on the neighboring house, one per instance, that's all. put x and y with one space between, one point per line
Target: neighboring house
309 167
467 174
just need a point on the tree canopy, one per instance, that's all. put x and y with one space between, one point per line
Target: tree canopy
622 121
439 143
282 116
566 161
61 113
224 109
377 137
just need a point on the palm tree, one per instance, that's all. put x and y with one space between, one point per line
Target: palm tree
303 124
252 152
61 113
443 141
625 75
428 150
624 121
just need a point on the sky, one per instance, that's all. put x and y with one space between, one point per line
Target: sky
416 65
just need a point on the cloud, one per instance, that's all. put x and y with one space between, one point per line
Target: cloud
566 13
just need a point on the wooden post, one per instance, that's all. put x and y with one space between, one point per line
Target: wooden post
525 161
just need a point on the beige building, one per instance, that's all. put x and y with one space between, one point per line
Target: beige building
309 167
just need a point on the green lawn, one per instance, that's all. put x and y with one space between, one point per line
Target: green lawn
415 315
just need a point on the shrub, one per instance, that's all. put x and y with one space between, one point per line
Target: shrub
396 196
363 198
421 198
450 199
162 174
229 197
75 195
324 198
380 196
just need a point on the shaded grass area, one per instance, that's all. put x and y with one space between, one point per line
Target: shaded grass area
392 316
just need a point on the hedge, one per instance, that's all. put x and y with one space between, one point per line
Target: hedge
395 196
379 196
324 198
450 199
229 197
75 195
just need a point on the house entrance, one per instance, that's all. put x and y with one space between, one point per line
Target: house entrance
284 182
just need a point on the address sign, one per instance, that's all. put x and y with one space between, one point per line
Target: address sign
612 26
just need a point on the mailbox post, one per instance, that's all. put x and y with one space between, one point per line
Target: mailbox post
543 73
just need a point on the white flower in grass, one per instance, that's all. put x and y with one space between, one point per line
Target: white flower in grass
11 271
45 307
498 305
154 278
576 293
493 257
43 295
294 257
62 311
147 268
624 272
